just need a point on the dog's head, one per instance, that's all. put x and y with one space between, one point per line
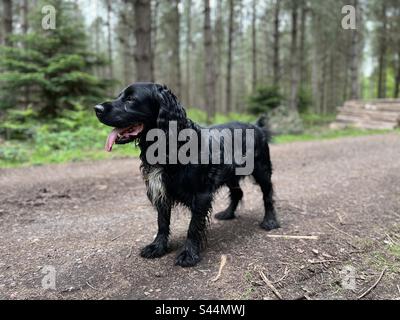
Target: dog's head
137 109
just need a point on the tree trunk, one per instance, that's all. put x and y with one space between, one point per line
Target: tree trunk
109 41
254 45
397 84
173 37
276 60
24 16
154 33
302 53
228 107
7 21
294 92
219 37
382 53
188 51
355 91
143 53
209 63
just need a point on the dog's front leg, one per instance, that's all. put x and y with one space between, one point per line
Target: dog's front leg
159 246
190 255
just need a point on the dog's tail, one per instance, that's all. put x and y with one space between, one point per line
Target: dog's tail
263 124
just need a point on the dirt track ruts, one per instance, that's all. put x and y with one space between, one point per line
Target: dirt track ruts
89 220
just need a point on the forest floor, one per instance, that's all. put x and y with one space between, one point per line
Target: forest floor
87 222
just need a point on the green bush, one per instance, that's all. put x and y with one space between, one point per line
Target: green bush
265 98
305 100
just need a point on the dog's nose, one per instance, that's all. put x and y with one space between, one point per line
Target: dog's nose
99 109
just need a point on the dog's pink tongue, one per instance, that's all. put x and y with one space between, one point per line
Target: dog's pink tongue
112 137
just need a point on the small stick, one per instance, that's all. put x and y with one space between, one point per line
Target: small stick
345 233
270 285
117 237
322 261
292 237
130 252
398 288
285 274
221 266
373 286
87 282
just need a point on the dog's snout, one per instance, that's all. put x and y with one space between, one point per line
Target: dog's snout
99 109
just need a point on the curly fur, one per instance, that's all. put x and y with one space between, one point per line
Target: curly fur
192 185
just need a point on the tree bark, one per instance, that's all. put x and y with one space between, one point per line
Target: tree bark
209 63
302 53
188 50
355 91
382 53
294 92
276 60
143 51
228 107
173 37
7 21
24 16
254 46
109 41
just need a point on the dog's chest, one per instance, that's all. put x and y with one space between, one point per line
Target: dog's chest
155 185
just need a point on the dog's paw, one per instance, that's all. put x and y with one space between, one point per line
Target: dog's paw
187 258
225 215
153 250
270 225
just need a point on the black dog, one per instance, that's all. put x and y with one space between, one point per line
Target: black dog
145 106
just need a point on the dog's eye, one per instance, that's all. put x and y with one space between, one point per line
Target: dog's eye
130 99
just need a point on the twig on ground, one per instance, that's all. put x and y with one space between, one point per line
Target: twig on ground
374 285
130 252
292 237
221 266
337 229
270 285
117 237
89 285
285 274
322 261
398 288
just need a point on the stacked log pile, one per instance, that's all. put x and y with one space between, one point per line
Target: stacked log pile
375 114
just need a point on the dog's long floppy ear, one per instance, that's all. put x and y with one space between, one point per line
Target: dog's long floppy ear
170 108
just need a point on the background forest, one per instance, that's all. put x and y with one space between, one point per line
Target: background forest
227 59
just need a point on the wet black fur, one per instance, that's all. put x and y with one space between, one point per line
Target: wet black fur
191 185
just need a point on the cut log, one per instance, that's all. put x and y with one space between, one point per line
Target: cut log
375 114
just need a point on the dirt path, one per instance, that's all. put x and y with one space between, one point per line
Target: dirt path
88 221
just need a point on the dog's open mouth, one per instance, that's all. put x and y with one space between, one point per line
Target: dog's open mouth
123 135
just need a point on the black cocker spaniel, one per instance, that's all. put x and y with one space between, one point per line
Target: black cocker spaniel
143 107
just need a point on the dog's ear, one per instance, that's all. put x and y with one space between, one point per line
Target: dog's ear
170 108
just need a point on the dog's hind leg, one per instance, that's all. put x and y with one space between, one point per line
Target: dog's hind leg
159 246
196 237
263 177
236 194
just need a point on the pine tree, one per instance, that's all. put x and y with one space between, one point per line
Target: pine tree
53 64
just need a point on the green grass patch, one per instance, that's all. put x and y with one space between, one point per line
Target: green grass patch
78 136
313 135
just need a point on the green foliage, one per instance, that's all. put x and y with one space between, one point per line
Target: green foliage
200 116
50 69
305 100
265 98
75 135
